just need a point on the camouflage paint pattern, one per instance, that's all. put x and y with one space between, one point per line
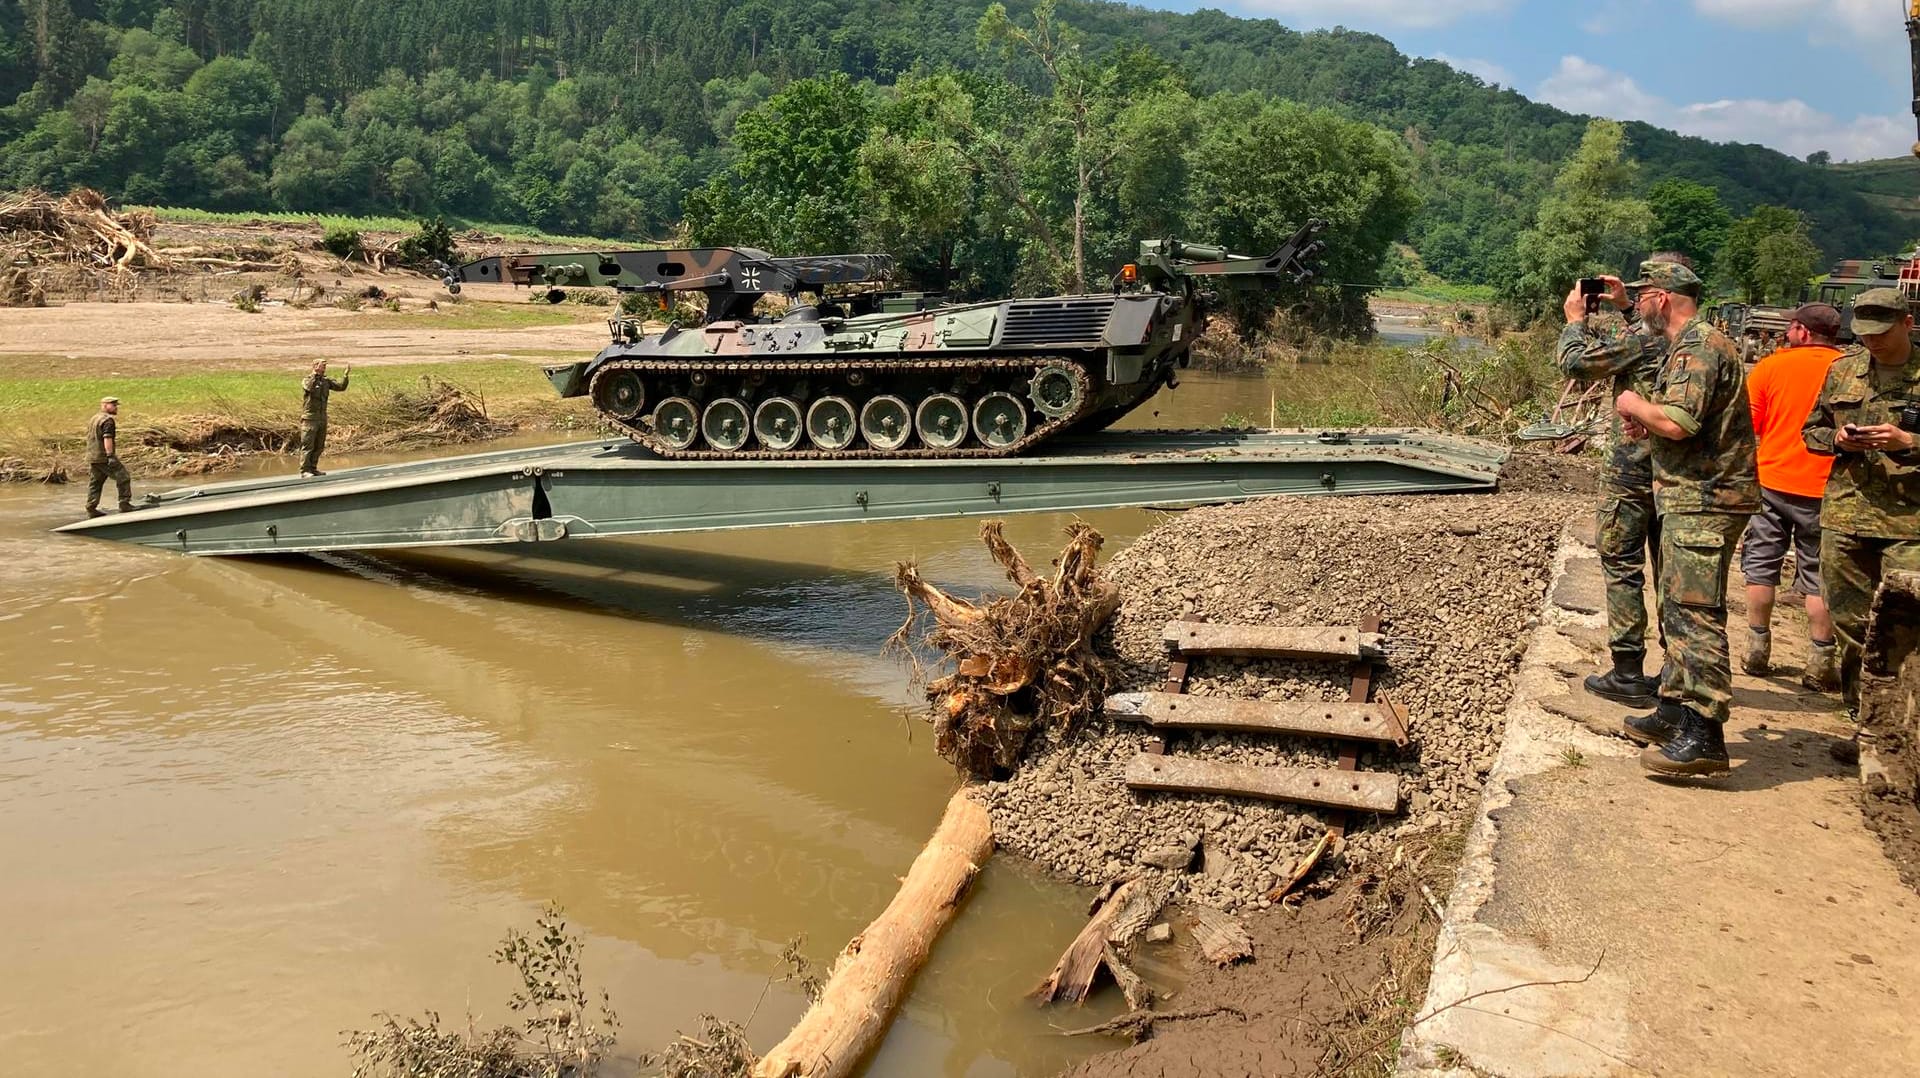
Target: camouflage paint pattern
1629 535
1851 567
1874 494
1695 557
314 392
1628 530
1702 386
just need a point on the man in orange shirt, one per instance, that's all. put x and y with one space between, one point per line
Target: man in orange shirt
1781 389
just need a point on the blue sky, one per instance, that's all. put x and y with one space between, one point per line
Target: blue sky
1796 75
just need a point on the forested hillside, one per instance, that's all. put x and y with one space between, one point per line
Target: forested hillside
601 116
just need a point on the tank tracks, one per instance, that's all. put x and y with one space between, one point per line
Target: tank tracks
640 429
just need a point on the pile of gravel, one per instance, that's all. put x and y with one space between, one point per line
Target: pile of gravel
1456 580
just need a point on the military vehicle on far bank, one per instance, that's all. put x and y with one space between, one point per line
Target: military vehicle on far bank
854 370
1760 329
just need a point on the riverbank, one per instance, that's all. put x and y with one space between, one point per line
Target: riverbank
1339 968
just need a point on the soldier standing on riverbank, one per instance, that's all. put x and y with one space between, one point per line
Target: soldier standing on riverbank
1870 515
313 401
103 459
1629 530
1705 486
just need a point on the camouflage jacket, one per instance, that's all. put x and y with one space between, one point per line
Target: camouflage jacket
1631 358
1871 493
314 392
1703 388
99 429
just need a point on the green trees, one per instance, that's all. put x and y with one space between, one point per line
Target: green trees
1589 223
1689 218
1768 255
793 183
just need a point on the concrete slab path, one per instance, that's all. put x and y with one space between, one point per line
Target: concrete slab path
1609 923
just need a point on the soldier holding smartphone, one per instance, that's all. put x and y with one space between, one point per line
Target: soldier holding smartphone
1866 419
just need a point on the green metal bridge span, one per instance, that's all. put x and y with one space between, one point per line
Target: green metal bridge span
588 489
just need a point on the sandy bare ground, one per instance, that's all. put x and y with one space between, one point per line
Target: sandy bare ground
152 337
1610 923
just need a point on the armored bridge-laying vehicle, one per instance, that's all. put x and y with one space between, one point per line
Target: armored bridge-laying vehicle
852 369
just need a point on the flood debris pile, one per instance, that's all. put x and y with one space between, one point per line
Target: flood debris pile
1456 581
1022 664
436 412
49 242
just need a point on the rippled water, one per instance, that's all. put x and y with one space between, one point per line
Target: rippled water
244 804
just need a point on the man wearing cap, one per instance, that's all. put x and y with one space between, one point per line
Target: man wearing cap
1870 518
313 402
103 460
1628 531
1705 485
1781 389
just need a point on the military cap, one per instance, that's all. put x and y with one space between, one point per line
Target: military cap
109 400
1671 276
1878 310
1820 318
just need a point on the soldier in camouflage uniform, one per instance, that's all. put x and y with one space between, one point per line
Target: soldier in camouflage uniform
1628 529
1870 513
313 401
1705 485
103 459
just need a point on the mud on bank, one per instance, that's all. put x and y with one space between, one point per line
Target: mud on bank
1457 581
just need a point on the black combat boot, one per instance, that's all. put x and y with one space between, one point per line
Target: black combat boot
1700 748
1658 728
1624 684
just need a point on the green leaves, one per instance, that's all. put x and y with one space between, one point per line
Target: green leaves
1589 222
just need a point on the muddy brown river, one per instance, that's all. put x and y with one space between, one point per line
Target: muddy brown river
245 804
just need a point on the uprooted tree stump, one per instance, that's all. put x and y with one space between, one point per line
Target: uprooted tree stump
1022 664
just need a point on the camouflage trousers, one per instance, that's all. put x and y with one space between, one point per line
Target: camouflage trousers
98 472
313 439
1850 570
1696 554
1629 535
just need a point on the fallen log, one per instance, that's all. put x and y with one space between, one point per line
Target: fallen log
870 977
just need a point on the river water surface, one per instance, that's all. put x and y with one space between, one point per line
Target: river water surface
247 803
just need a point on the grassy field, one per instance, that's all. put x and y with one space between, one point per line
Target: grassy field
190 216
32 409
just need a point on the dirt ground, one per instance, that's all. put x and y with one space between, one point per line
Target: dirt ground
153 337
1607 922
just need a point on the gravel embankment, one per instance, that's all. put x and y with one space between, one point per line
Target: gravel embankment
1457 581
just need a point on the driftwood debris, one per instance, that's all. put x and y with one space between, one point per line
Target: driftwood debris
77 228
1137 1024
1118 917
1222 939
1303 867
1022 664
870 977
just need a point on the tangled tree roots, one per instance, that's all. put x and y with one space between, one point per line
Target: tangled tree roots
1022 664
37 227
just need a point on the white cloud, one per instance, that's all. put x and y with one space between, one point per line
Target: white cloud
1486 70
1791 126
1373 13
1867 18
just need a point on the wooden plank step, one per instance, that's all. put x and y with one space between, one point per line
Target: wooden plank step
1376 722
1366 791
1271 641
